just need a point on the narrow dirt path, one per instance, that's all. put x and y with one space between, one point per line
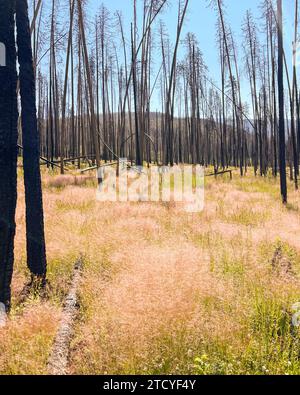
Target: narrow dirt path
58 361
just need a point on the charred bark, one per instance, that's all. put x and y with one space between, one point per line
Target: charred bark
36 250
8 149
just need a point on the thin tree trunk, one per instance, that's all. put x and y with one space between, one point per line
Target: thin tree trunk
282 155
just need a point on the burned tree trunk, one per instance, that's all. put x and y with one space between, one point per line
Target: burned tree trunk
8 149
36 254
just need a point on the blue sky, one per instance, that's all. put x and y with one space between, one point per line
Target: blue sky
201 20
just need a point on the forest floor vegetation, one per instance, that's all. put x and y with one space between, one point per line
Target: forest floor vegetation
163 291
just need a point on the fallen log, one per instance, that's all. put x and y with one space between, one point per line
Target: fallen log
58 361
43 159
220 173
3 316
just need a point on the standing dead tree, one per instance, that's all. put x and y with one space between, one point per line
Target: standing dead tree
282 163
36 250
8 148
95 104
